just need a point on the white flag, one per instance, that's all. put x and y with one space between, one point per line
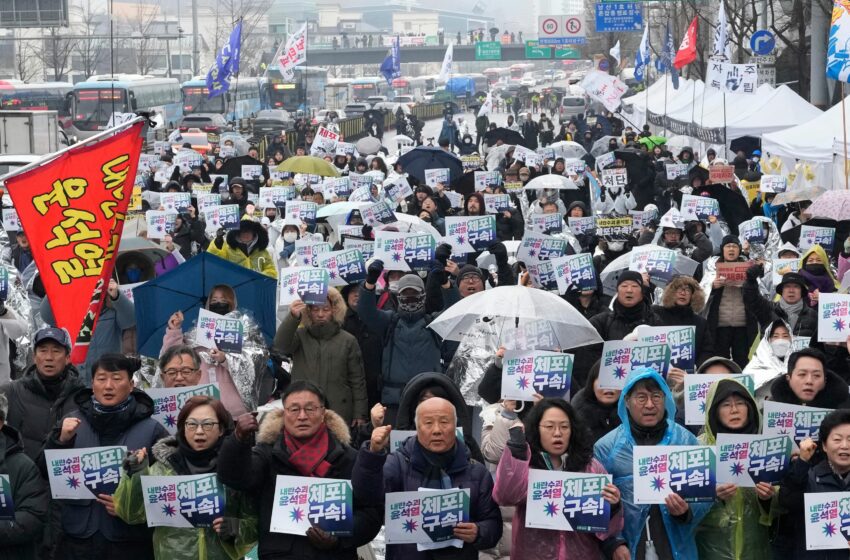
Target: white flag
487 106
294 54
615 52
446 69
722 48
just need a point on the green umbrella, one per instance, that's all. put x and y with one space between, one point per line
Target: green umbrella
652 141
310 165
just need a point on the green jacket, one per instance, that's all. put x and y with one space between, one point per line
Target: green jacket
738 528
186 544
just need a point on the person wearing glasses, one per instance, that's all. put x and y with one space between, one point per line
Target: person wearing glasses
201 427
180 366
303 438
111 412
648 413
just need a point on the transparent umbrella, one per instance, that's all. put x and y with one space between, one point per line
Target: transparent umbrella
568 149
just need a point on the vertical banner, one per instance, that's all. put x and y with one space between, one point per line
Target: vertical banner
73 211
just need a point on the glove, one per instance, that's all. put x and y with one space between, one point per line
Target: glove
374 272
517 444
755 272
367 232
440 275
499 252
691 230
442 254
229 528
132 465
219 238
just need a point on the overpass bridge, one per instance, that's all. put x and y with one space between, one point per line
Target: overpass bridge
427 53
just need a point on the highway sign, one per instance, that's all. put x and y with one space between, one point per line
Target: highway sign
619 17
488 50
762 42
533 50
561 30
568 53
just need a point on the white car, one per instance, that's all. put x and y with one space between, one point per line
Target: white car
528 81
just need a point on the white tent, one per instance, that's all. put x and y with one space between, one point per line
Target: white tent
780 109
810 141
635 105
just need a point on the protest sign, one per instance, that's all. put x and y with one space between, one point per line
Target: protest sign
521 152
207 201
471 162
378 214
252 172
361 194
745 460
545 223
10 220
301 211
7 502
183 501
687 470
827 519
303 502
753 231
718 174
697 387
457 236
833 317
344 267
616 178
455 199
4 283
160 223
425 517
219 332
582 225
168 402
604 161
273 197
621 357
734 272
175 202
186 159
224 217
773 183
365 246
567 501
800 342
529 372
538 247
614 228
497 203
816 235
800 422
602 86
547 153
84 473
404 251
675 170
358 180
324 142
470 233
484 179
659 263
783 266
574 271
542 275
398 190
345 149
310 285
681 340
699 207
574 167
307 251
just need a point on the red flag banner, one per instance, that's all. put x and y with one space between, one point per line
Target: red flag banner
72 210
687 52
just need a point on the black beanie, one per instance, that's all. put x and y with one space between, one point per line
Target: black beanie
727 239
630 275
469 269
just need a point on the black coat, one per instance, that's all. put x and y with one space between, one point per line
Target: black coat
510 228
19 540
766 312
598 418
834 395
703 336
372 349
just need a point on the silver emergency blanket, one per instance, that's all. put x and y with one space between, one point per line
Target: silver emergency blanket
18 300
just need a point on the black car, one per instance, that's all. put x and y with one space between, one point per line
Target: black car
271 122
207 122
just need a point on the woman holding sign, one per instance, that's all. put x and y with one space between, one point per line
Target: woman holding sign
201 426
554 440
737 525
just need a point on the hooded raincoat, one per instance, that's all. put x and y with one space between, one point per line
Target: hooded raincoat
819 282
765 366
186 544
254 256
614 451
736 529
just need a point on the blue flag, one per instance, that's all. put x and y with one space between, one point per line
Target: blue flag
838 47
226 64
667 56
642 58
391 66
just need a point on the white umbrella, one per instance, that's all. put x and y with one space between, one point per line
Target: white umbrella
551 181
401 139
567 149
339 208
511 309
611 273
407 223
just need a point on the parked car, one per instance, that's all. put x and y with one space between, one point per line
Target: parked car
208 122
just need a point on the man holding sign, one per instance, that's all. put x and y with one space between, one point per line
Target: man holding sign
434 459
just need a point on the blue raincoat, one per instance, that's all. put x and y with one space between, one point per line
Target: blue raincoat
614 451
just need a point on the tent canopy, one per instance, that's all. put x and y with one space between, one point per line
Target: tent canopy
810 140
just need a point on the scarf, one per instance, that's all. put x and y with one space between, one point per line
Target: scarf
436 464
120 407
822 283
52 385
112 421
197 462
792 311
648 436
308 456
629 315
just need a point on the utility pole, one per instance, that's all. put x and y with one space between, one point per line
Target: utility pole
817 78
196 52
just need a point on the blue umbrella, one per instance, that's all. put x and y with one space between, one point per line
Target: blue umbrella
417 160
186 289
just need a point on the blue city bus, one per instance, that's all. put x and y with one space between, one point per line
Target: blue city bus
305 91
243 100
363 88
92 102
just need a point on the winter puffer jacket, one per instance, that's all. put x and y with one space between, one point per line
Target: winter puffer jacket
736 529
599 418
186 544
671 315
254 256
615 450
20 539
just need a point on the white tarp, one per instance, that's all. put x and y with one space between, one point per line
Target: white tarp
810 141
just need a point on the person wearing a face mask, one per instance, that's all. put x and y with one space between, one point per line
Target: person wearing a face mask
410 347
285 245
769 359
216 366
755 159
816 270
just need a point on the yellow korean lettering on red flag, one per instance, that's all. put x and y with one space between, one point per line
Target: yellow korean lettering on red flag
72 211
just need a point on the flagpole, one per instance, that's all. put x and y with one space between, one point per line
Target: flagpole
844 127
235 95
724 122
665 104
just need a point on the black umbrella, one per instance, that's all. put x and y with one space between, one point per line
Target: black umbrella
465 184
842 231
233 168
374 115
733 207
506 135
417 160
746 144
